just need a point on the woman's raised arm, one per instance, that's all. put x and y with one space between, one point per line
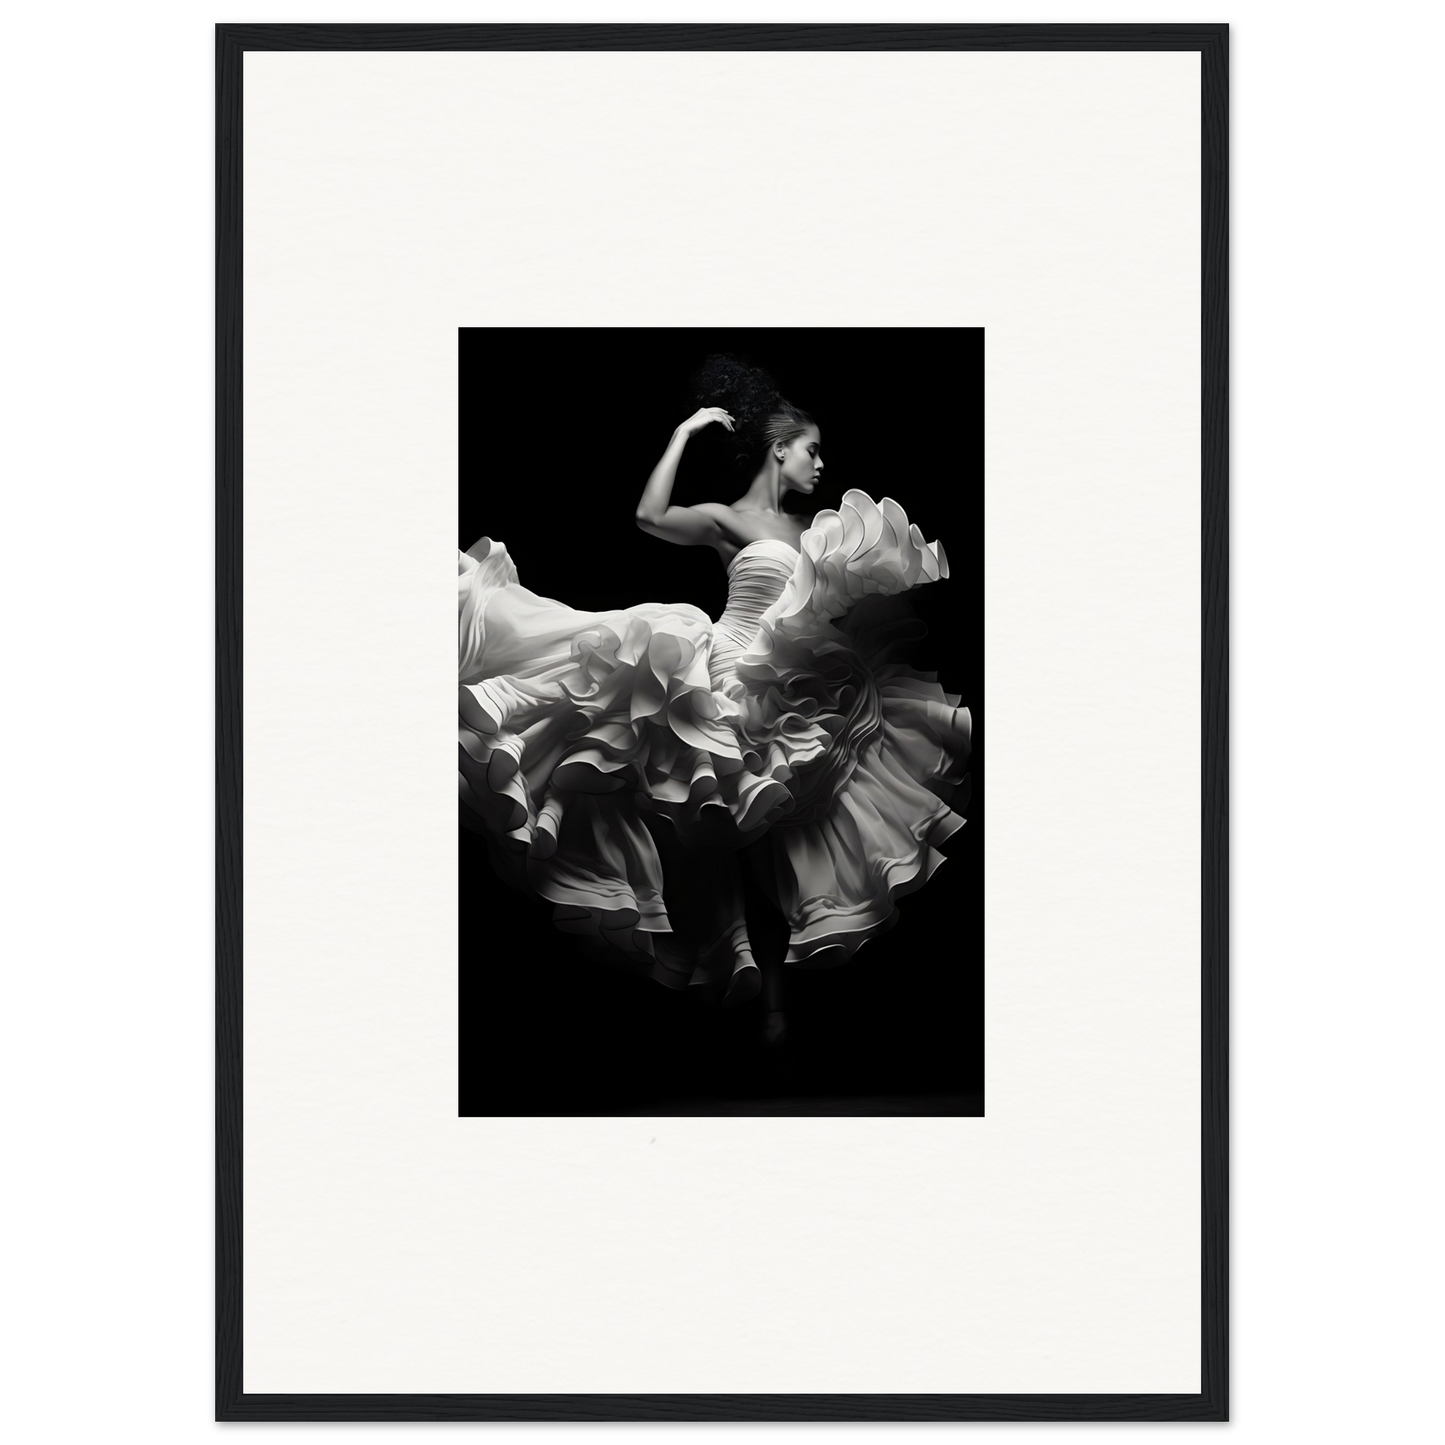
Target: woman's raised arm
688 526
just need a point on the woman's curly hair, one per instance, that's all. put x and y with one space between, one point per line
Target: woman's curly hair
762 415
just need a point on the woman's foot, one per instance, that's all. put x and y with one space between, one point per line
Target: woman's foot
775 1028
734 951
744 984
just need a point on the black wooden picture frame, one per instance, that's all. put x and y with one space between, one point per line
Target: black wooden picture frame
1211 1403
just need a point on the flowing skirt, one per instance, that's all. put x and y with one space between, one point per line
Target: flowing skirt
616 779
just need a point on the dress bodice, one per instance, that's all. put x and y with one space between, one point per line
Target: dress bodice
756 577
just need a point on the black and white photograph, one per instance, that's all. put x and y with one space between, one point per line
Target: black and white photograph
721 721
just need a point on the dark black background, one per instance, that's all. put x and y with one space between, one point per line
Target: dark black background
559 430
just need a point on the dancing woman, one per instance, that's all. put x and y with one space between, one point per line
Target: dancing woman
621 761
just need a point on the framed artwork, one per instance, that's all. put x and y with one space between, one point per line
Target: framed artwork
800 992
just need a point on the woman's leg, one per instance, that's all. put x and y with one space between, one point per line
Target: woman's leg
775 1019
709 944
769 931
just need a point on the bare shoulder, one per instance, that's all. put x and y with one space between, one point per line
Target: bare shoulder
739 526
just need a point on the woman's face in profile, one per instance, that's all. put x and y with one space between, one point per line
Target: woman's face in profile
802 465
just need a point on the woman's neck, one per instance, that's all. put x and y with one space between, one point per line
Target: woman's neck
764 493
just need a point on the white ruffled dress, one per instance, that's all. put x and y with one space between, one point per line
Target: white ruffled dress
618 760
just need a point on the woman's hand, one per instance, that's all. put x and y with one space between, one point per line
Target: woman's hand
655 512
702 417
